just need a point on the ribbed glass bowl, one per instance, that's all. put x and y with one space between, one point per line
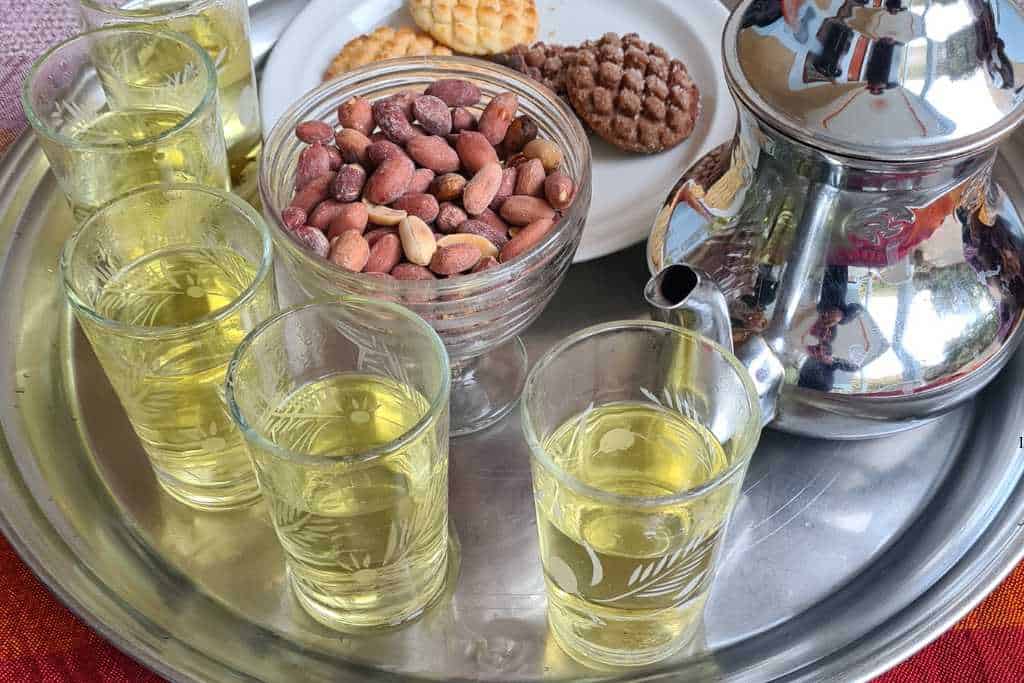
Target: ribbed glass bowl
479 315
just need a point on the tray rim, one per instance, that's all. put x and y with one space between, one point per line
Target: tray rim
1001 548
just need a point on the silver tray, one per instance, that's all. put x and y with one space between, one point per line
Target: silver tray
842 559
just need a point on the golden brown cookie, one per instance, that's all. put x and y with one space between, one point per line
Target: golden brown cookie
384 43
477 27
632 93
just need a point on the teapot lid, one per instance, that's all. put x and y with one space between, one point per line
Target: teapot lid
888 80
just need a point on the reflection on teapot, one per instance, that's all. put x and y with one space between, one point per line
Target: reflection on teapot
853 225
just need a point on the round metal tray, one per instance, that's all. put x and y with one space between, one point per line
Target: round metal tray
842 558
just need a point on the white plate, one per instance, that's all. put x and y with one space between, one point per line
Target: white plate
628 189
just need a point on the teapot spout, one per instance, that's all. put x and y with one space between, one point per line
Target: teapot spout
685 296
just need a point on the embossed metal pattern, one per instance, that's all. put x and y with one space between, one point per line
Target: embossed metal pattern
892 79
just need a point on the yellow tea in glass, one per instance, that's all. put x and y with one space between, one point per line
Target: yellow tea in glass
166 282
221 27
640 434
345 407
122 107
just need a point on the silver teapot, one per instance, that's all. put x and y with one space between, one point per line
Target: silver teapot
850 240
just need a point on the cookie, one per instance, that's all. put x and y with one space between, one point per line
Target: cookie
383 43
632 94
477 27
543 62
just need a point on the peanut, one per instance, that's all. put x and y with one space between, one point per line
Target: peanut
522 131
314 161
558 189
433 114
481 188
313 240
527 238
389 181
449 217
485 263
393 121
350 251
457 258
385 254
497 117
311 132
475 226
421 180
423 206
335 157
433 152
352 144
531 179
411 271
357 114
384 215
545 150
314 192
348 183
474 151
506 189
373 235
520 210
482 244
455 92
383 150
293 217
417 240
404 100
353 216
324 213
463 119
494 220
448 186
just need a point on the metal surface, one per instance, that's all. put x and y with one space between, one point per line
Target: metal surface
892 292
881 79
842 557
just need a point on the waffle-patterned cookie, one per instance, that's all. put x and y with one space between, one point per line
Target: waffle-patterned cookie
632 94
543 62
383 43
477 27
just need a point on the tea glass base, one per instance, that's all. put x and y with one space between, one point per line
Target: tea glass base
486 388
596 657
352 623
211 498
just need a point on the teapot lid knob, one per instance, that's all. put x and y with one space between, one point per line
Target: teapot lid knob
888 80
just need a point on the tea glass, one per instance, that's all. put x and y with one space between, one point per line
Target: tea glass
640 435
221 27
165 282
121 107
344 404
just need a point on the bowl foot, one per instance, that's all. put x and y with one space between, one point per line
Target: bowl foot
486 388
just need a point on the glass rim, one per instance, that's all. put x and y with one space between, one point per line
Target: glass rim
239 205
540 454
139 15
449 66
42 128
437 402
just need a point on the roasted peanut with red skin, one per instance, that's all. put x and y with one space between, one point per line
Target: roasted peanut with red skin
506 189
494 220
314 161
485 263
384 255
382 150
521 210
474 226
559 190
462 119
389 181
423 206
393 121
349 183
324 213
350 251
455 92
421 180
351 216
432 114
312 132
449 217
412 271
314 192
455 259
530 181
293 217
527 238
313 240
357 114
373 235
335 155
474 151
481 188
522 131
353 145
497 117
433 152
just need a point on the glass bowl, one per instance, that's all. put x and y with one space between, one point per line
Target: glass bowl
478 315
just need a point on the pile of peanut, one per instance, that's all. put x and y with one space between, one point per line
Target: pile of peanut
415 187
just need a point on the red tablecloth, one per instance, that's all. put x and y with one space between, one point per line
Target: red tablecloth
41 641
